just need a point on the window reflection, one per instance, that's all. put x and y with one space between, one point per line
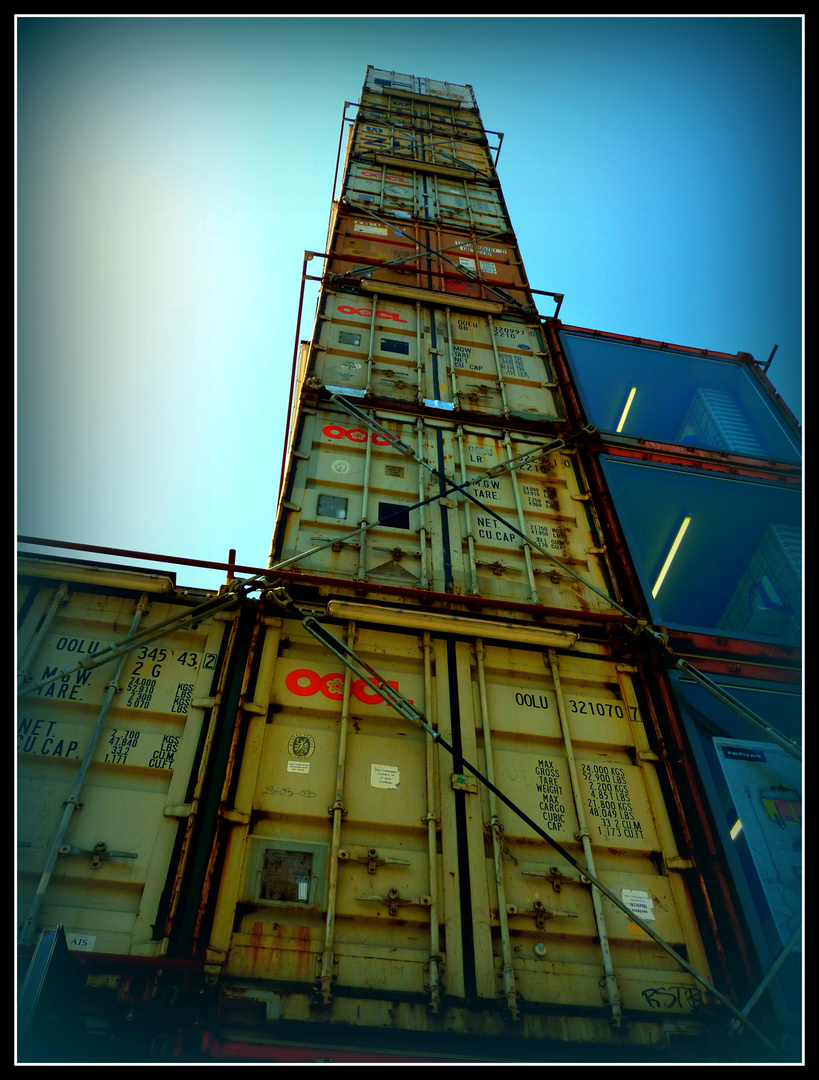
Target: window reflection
675 397
713 553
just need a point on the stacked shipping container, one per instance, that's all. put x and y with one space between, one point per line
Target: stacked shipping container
460 805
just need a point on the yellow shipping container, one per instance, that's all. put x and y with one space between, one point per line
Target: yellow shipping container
371 876
525 535
107 756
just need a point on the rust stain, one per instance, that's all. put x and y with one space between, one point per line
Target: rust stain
280 948
255 948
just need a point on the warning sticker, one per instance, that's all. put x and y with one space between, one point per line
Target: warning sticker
640 903
384 776
298 766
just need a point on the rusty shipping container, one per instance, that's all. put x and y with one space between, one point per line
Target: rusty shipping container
265 839
378 81
420 256
421 113
387 144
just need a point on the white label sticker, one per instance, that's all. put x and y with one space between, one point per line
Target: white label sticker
79 941
486 267
384 776
303 888
298 766
366 227
640 903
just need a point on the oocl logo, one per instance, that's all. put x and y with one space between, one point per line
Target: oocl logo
368 311
359 435
395 178
305 683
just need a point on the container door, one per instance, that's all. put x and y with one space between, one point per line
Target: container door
374 141
480 364
543 501
563 736
420 256
345 477
390 191
499 366
370 345
338 885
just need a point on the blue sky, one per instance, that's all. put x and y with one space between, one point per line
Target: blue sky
172 172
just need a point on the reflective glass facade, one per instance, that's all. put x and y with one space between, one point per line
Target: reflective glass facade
714 554
675 397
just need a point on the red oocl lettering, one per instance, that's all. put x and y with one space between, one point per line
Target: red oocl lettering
330 685
305 683
391 178
368 311
361 691
333 431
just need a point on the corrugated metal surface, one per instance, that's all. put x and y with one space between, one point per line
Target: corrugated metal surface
566 735
371 867
109 878
430 114
291 779
391 145
395 191
482 364
344 475
384 82
428 257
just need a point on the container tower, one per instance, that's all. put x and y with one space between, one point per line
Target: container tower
522 491
503 755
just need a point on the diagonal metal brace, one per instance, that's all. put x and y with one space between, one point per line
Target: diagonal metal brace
788 745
